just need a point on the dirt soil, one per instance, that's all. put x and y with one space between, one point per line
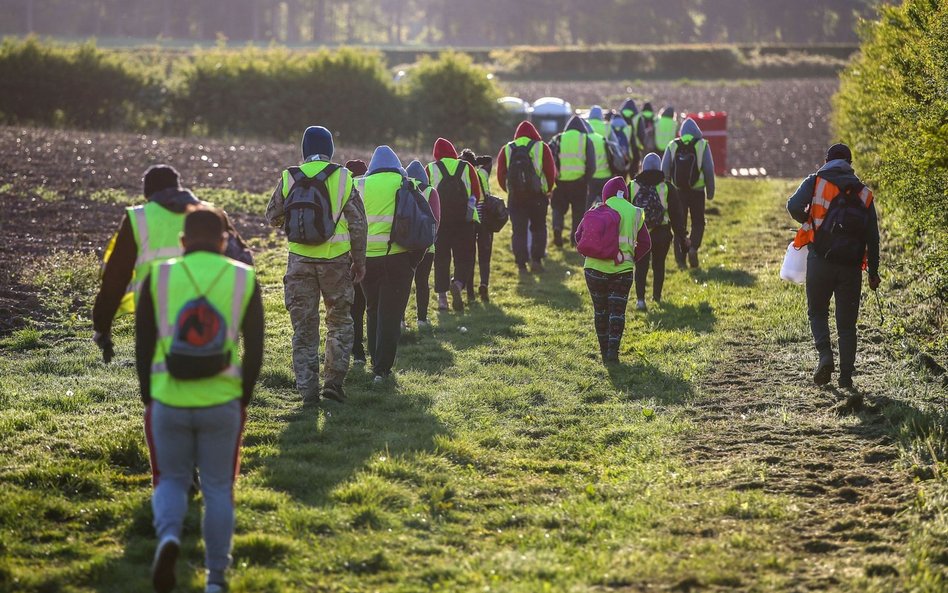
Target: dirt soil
830 455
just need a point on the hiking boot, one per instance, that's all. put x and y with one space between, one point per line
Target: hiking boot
640 305
693 257
442 301
162 569
482 291
456 297
845 381
333 391
522 268
557 239
824 372
536 266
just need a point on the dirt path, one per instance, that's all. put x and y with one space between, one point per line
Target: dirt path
831 459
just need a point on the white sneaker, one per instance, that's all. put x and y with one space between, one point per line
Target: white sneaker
423 323
640 305
378 379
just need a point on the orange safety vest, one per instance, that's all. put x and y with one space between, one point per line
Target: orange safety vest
819 206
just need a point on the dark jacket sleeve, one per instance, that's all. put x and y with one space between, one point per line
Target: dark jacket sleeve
146 339
872 243
590 159
115 278
799 203
252 329
675 214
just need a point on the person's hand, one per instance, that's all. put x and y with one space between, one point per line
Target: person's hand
104 342
358 272
874 282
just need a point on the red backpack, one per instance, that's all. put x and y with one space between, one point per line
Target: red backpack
598 233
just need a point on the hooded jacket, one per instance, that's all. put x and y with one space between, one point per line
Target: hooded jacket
580 125
444 149
417 172
840 173
689 127
527 130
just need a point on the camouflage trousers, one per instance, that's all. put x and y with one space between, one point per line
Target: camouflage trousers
305 281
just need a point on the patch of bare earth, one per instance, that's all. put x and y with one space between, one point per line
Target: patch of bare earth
833 460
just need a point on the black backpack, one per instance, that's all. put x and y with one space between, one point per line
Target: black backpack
841 237
648 199
684 167
200 334
308 219
414 226
522 178
454 194
494 216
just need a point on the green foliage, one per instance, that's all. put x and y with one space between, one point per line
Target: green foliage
66 281
452 97
892 109
78 86
277 93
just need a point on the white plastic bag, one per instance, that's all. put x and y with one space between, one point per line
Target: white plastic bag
794 264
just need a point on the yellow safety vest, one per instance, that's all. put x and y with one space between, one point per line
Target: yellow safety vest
157 233
602 159
536 157
572 155
666 129
378 193
632 219
339 185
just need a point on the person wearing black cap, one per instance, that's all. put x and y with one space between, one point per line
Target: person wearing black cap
841 230
147 233
321 261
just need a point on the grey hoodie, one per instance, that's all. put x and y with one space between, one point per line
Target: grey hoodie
416 171
707 163
385 159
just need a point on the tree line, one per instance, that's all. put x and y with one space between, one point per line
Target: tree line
471 23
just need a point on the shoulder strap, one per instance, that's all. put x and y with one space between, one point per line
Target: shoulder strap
296 173
328 170
443 168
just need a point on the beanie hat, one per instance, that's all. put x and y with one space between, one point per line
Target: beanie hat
839 151
613 187
159 177
357 167
317 140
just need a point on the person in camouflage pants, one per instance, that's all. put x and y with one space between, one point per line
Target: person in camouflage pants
328 269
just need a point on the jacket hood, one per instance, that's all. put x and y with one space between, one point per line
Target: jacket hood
527 130
416 171
838 172
595 112
618 122
629 104
652 162
174 199
648 107
317 140
577 123
613 187
385 159
668 112
651 170
443 149
690 127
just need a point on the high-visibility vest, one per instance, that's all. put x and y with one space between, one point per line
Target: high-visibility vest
631 220
228 286
823 195
700 146
662 189
451 165
339 186
602 159
484 178
157 233
378 192
536 157
572 155
666 129
599 126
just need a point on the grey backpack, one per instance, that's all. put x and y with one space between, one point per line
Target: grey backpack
308 219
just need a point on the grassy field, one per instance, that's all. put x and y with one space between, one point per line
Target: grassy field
506 457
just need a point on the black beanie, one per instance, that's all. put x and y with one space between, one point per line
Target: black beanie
159 177
317 140
839 151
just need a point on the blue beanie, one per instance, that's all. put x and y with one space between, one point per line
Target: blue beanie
317 140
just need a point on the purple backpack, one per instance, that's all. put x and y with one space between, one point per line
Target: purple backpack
598 233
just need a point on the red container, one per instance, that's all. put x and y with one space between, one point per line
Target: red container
713 126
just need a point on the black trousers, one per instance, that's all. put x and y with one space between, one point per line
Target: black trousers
423 286
357 312
693 204
824 281
610 295
387 285
569 195
528 215
455 241
484 249
661 241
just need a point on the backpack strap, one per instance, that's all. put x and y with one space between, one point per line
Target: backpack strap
405 184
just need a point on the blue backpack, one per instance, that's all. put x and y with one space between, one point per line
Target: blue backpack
414 226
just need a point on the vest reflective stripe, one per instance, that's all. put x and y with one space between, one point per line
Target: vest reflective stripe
378 192
572 155
662 189
700 146
228 286
666 128
602 160
632 221
339 186
536 157
157 233
823 195
451 165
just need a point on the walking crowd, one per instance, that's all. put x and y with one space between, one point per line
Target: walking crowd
360 235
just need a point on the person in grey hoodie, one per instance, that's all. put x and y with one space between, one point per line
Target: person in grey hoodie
574 170
689 167
416 171
828 276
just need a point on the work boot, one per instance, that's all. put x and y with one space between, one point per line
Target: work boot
693 257
680 258
845 381
333 391
442 301
824 372
482 291
456 297
536 266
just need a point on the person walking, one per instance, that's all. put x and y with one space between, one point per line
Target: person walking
321 261
609 282
147 233
629 111
603 170
689 166
666 129
357 169
651 193
416 171
643 127
460 192
483 238
196 387
575 160
526 171
841 230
